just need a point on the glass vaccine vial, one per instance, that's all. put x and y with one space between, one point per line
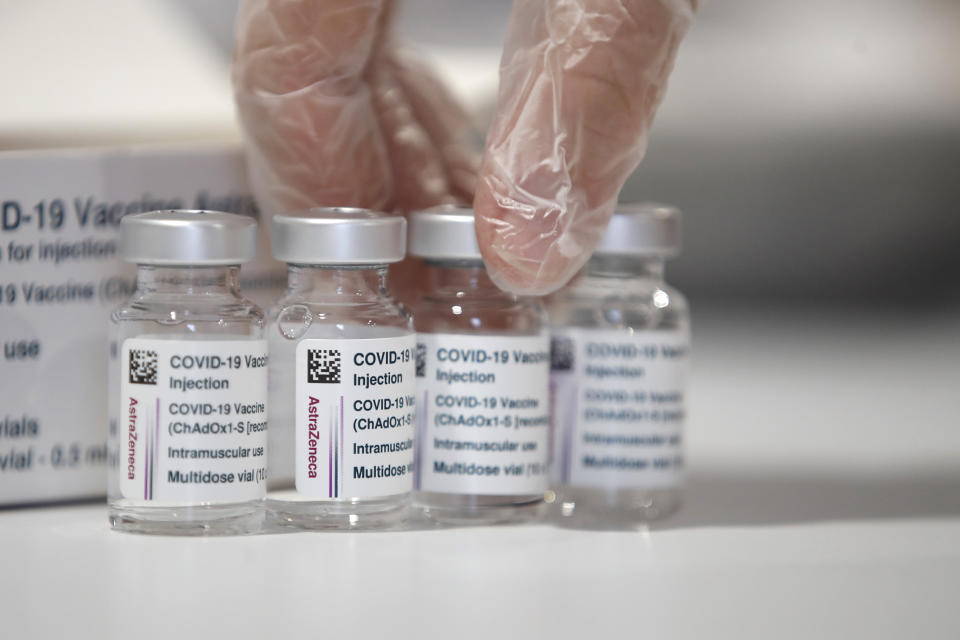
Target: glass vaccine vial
188 380
342 374
620 344
482 382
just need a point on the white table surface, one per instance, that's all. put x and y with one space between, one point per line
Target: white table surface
824 501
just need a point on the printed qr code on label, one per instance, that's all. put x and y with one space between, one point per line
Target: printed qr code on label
323 366
143 366
561 353
421 360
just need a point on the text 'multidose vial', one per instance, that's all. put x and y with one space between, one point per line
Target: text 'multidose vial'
188 380
342 373
482 382
620 345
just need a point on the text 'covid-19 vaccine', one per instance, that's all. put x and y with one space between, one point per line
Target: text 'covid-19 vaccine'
482 382
188 380
620 345
342 374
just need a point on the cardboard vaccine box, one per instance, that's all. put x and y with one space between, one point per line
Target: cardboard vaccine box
61 276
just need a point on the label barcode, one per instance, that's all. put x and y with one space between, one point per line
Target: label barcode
323 366
143 366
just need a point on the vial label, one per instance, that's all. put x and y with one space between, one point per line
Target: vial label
355 417
483 417
618 408
193 417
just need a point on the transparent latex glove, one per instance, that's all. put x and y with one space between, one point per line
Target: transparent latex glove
336 114
579 83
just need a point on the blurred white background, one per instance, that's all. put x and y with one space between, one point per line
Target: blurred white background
815 149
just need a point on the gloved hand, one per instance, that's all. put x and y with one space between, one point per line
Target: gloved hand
336 113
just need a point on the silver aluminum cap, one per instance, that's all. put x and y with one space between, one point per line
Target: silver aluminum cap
642 229
182 237
444 233
339 235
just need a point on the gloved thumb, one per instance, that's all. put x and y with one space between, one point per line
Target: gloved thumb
580 81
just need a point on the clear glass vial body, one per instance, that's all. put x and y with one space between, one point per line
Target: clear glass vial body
460 298
619 293
327 302
179 304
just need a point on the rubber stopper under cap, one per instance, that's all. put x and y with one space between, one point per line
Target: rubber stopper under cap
184 237
642 229
444 233
339 235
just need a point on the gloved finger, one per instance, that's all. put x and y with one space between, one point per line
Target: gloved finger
305 103
443 119
580 81
418 172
